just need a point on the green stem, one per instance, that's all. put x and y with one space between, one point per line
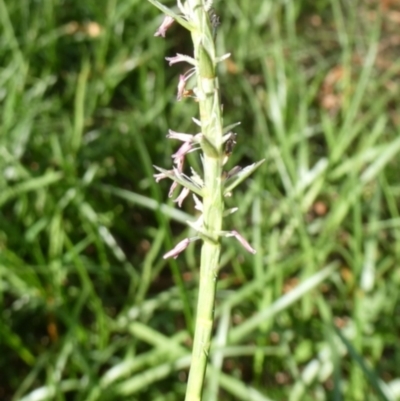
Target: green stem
213 205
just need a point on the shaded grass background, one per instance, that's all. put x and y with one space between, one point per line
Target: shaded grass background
90 311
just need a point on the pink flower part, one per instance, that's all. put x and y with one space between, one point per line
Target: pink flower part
241 239
172 189
184 193
180 136
180 247
179 58
182 151
162 29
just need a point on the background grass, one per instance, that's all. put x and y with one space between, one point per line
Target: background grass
91 311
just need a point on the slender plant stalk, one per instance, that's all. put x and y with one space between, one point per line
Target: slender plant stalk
199 19
213 205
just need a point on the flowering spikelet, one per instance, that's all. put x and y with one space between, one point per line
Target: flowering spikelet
202 67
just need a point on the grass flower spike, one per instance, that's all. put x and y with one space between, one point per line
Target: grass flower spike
216 144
